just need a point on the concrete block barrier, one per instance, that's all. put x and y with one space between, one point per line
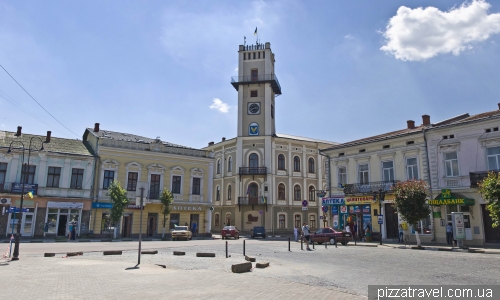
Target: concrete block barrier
242 267
112 253
249 258
49 254
149 252
74 253
475 251
202 254
262 265
417 248
179 253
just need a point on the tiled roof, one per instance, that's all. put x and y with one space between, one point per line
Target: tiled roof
127 137
481 116
56 145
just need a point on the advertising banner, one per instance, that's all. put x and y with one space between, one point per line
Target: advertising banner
458 225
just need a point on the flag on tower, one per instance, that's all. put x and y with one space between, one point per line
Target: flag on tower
255 33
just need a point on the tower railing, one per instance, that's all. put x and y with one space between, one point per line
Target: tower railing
261 78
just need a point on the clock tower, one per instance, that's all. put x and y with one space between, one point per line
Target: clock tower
257 87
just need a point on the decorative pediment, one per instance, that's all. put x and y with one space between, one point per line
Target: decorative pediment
157 168
177 170
230 150
449 147
110 164
134 166
490 142
197 172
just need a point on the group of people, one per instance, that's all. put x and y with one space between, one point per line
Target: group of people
72 231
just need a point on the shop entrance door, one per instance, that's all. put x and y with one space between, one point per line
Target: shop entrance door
127 226
27 224
152 222
468 229
491 235
63 225
391 219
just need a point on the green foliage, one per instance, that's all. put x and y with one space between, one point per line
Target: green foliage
119 198
166 199
490 191
410 200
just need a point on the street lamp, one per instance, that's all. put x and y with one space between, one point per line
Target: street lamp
15 255
381 197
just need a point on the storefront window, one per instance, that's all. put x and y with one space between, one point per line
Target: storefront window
52 221
423 227
174 220
106 226
281 224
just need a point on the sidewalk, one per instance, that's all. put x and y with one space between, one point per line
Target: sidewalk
85 240
487 249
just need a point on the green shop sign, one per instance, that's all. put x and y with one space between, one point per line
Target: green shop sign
447 198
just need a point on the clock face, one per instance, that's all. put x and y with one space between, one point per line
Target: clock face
253 108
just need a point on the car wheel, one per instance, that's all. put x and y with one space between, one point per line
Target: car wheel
238 237
332 241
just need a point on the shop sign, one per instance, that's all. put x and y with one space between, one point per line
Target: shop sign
465 201
187 208
366 209
343 209
380 219
335 221
458 225
102 205
367 221
333 201
355 209
335 210
18 188
359 200
70 205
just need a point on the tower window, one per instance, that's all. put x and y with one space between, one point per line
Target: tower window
264 54
254 55
259 55
253 93
244 56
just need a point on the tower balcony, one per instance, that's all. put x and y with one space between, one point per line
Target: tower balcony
236 81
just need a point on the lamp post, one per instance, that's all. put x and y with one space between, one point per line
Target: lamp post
15 255
381 197
142 186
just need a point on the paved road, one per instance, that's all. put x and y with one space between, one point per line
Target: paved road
338 273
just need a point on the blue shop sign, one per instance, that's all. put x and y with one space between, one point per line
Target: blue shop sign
335 210
14 209
354 209
102 205
333 201
18 188
366 209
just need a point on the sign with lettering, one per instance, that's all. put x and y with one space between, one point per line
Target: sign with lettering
380 219
458 225
333 201
343 209
366 209
187 208
335 210
18 188
76 205
354 209
102 205
451 201
359 200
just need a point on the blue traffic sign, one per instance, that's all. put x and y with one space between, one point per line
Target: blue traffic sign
304 203
14 209
380 219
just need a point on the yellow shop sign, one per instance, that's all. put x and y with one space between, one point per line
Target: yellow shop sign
359 200
437 202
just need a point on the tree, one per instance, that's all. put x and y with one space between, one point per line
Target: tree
410 201
166 199
119 198
490 191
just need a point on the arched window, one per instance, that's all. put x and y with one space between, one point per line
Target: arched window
297 221
253 190
218 166
297 195
296 164
281 162
311 165
312 221
217 220
229 190
281 221
253 161
312 196
281 191
217 195
230 164
228 220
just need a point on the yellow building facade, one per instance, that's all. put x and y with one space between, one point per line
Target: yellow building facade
131 159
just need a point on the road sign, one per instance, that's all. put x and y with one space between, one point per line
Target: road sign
380 219
211 208
304 203
321 217
304 208
325 209
260 212
16 209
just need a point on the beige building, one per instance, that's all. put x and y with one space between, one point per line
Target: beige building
130 159
262 178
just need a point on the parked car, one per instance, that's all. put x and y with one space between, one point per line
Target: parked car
181 232
230 231
330 235
258 231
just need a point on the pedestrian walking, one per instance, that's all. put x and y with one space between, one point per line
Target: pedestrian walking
296 233
401 233
368 234
305 232
194 228
449 234
70 230
73 231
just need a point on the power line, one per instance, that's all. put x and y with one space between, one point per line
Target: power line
38 102
9 99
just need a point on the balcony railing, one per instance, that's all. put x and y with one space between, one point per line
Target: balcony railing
369 188
253 170
261 78
478 177
248 200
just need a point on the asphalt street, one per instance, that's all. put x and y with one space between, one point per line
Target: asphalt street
342 273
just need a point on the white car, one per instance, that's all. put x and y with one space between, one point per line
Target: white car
181 232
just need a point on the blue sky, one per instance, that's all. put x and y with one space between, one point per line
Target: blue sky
348 69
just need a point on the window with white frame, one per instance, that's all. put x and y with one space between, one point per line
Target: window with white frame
218 166
296 164
28 174
493 158
281 162
76 178
388 171
230 164
196 186
298 221
281 191
412 168
363 177
53 177
312 196
154 186
342 175
3 173
217 195
451 164
282 221
423 226
312 221
311 165
109 176
229 192
132 181
297 195
176 184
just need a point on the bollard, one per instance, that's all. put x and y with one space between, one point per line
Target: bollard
313 244
289 245
301 241
243 247
226 249
355 239
326 243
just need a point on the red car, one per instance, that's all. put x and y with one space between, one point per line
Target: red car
230 231
327 234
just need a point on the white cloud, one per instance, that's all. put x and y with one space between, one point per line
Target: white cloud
422 33
220 106
349 36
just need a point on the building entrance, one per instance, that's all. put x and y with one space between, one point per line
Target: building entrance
391 220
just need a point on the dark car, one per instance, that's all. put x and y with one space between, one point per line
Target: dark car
330 235
258 231
230 231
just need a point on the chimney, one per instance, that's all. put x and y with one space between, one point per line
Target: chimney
96 127
411 124
426 120
498 106
223 139
211 143
18 133
47 139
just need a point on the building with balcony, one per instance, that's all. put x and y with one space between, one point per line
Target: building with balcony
261 178
58 179
129 159
361 170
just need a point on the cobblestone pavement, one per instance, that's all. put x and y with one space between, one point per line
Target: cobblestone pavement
334 273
